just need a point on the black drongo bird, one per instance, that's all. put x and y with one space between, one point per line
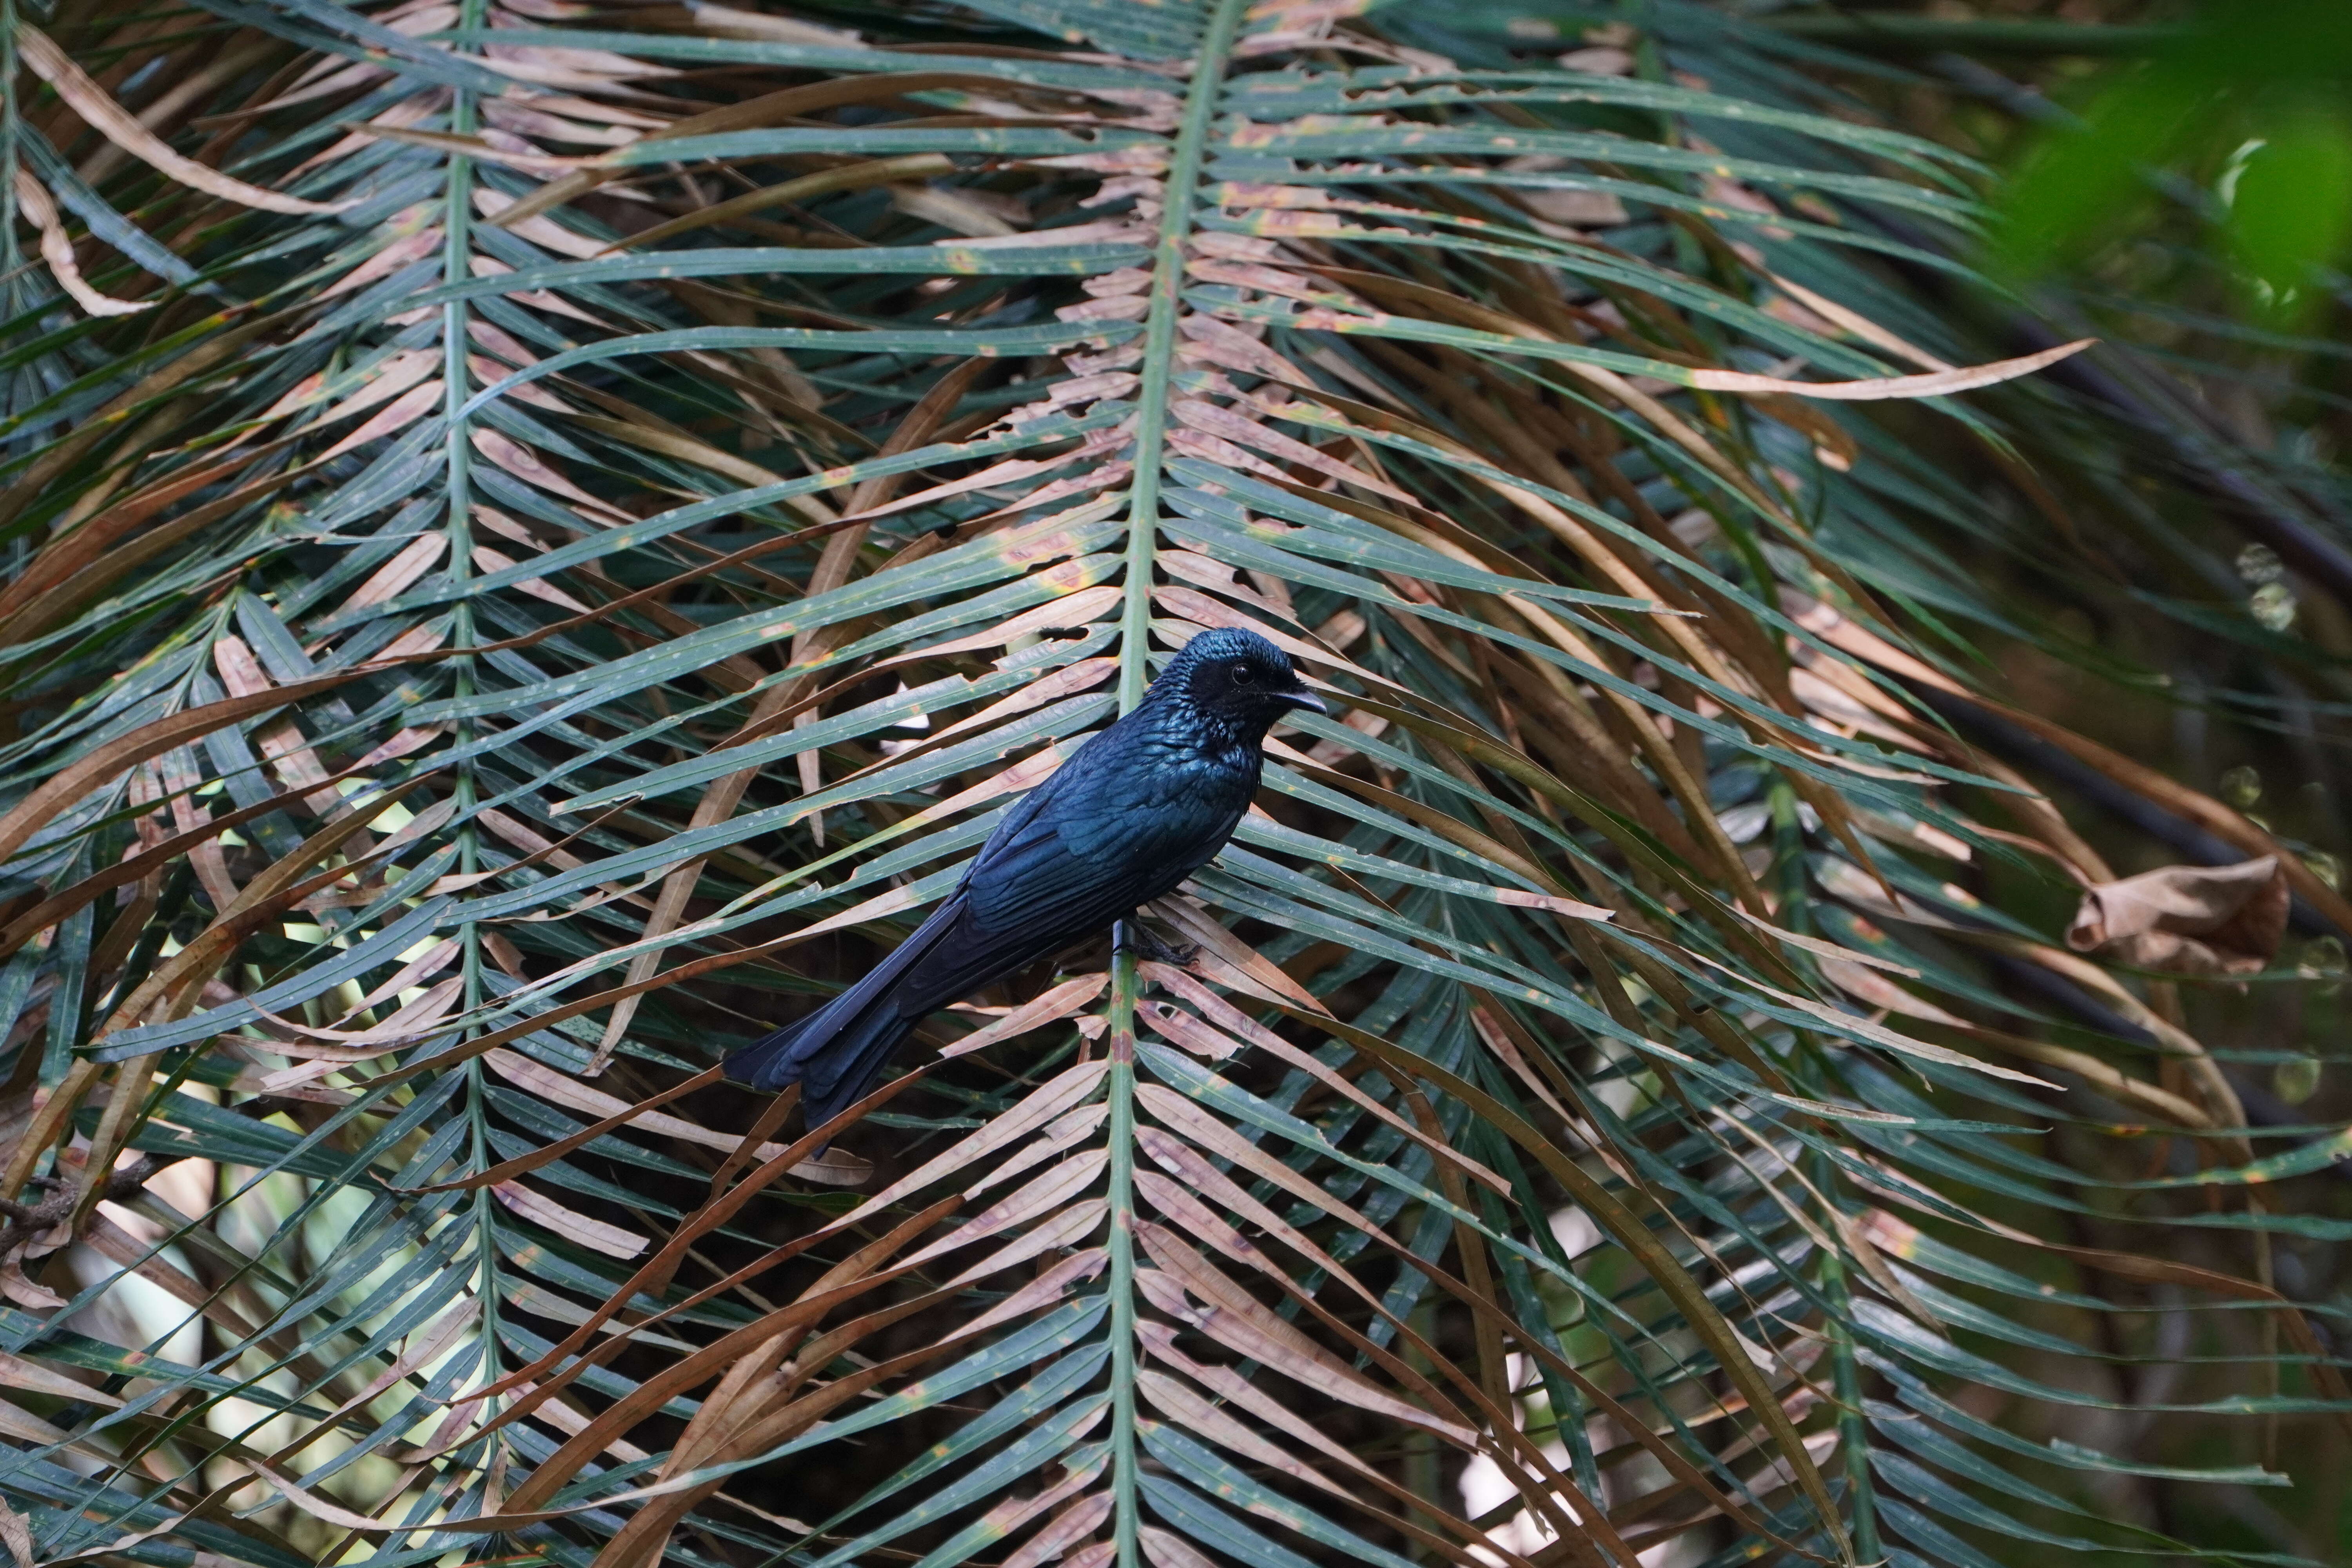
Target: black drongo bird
1134 811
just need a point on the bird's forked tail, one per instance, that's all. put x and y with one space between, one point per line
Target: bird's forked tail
834 1061
767 1063
835 1053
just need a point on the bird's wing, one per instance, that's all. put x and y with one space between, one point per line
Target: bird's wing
1023 853
1016 831
1119 824
1031 875
1121 838
971 956
1037 888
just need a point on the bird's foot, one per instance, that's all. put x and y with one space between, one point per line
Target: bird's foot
1149 944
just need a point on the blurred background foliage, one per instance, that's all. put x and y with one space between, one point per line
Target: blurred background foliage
2169 569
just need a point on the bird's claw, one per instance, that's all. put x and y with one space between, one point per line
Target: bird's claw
1147 943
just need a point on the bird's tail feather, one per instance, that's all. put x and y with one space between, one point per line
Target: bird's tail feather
843 1073
835 1051
831 1054
767 1063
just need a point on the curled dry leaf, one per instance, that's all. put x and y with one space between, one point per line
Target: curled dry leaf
56 249
19 1289
118 125
17 1532
2188 920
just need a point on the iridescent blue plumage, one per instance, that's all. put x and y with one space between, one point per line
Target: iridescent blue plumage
1138 808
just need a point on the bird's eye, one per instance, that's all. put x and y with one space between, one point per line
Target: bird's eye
1243 675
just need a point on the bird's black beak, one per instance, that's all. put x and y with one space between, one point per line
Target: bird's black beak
1299 696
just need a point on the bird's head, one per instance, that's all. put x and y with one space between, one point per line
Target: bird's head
1238 679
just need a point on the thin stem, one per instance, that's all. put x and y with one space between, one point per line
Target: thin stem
11 259
1184 160
457 267
1121 1039
1853 1433
1184 163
